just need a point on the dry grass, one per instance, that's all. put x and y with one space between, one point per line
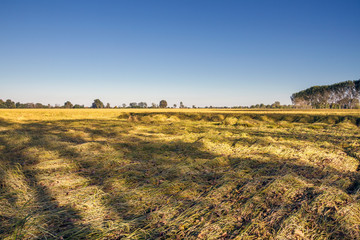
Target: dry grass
172 174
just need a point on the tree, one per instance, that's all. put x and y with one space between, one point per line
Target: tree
133 105
108 105
10 104
338 95
39 105
78 106
163 104
142 105
68 104
182 105
97 104
174 105
276 104
124 105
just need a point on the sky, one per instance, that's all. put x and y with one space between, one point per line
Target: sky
200 52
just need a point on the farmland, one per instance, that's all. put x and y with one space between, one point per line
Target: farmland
175 174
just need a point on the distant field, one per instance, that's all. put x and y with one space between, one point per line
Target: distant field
179 174
62 114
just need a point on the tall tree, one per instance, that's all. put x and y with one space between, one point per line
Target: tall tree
10 104
343 95
142 105
97 104
133 105
163 104
68 104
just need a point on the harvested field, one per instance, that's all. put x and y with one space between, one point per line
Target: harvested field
175 174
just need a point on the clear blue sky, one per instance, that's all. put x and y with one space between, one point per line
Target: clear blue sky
200 52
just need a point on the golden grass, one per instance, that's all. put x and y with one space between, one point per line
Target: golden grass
179 174
63 114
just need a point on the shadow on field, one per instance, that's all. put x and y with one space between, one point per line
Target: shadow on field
164 185
54 221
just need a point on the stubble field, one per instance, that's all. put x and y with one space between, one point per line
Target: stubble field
179 174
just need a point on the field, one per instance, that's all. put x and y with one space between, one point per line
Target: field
179 174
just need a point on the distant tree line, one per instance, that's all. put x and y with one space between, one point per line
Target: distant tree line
11 104
275 105
97 103
340 95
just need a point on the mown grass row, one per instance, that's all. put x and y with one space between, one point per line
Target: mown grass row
242 119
